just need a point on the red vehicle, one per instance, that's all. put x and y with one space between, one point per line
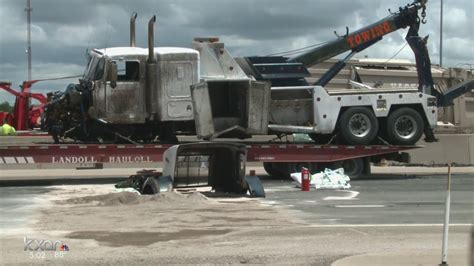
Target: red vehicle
24 115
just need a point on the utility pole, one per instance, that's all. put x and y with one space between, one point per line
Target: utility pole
28 10
441 36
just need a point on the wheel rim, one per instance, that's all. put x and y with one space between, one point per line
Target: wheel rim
360 125
405 127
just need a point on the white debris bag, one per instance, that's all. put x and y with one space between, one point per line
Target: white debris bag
327 179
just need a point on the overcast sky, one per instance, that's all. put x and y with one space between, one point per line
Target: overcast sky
63 31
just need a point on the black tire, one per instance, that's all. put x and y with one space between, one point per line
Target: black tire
354 168
296 167
284 170
358 126
321 138
270 169
404 126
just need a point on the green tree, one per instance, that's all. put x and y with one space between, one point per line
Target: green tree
5 107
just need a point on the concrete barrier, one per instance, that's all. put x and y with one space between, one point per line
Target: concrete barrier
451 148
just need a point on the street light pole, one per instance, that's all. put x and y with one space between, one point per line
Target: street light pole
28 10
441 36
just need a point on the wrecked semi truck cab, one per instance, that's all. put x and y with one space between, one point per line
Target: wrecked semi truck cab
128 94
132 94
135 90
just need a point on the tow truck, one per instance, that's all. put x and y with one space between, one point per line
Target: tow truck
132 94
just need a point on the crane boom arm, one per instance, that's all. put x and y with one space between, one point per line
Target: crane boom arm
362 38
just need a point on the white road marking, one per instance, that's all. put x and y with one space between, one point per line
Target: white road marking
279 189
359 206
358 231
352 196
385 225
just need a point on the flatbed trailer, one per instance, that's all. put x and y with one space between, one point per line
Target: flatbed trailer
278 158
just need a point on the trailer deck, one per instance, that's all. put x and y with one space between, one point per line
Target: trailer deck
147 153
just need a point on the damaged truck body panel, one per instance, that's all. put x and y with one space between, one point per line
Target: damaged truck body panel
218 165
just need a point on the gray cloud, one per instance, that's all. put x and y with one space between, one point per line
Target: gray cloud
63 31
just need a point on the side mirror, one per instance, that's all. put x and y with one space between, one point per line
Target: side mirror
112 74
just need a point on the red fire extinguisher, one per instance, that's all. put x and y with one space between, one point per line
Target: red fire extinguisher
305 179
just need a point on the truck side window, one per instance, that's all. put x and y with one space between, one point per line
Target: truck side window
128 70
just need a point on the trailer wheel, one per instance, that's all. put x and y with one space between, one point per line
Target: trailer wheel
296 167
358 126
284 170
404 126
271 170
354 168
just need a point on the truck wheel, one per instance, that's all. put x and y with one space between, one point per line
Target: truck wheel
321 138
296 167
353 167
404 126
358 126
270 169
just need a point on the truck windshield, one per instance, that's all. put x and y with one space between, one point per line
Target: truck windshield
95 68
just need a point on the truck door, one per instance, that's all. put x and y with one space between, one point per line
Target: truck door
125 101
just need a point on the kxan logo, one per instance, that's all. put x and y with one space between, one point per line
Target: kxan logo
44 245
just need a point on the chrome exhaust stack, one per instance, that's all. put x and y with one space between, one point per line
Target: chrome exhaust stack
151 73
151 41
132 29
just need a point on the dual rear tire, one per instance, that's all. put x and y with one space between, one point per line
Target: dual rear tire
405 126
359 126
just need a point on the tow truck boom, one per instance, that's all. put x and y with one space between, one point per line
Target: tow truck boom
365 37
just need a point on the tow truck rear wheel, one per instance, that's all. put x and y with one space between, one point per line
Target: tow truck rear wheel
404 126
358 126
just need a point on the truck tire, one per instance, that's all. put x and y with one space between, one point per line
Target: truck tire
284 170
404 126
354 168
296 167
270 169
358 126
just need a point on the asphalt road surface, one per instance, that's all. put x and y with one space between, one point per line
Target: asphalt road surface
386 220
386 199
